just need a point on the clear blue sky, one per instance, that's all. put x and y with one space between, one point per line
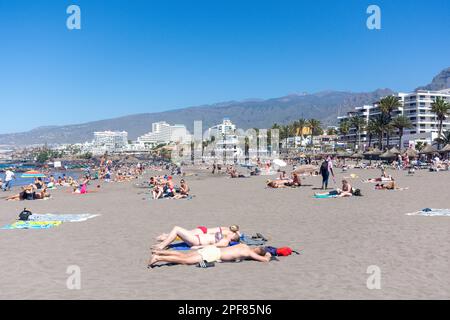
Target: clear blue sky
147 56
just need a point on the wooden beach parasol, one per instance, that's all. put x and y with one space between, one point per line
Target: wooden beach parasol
429 149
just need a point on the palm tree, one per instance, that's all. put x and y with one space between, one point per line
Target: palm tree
444 139
359 124
371 129
401 123
381 123
388 105
344 127
301 125
331 131
442 109
314 126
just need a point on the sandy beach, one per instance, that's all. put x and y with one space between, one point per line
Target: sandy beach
338 239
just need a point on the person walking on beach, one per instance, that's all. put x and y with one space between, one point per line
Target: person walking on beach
9 176
325 169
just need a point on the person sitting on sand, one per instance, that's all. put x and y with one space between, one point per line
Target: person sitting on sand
42 195
204 230
158 190
38 183
295 181
211 254
346 191
183 191
199 240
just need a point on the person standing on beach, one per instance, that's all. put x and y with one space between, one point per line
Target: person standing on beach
9 176
325 169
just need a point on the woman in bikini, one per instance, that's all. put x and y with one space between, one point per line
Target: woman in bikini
204 230
218 239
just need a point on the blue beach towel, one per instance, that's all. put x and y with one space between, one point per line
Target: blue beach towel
185 246
325 196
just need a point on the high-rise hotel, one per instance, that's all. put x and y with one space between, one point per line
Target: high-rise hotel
416 106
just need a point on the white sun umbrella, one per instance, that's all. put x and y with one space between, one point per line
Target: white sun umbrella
279 163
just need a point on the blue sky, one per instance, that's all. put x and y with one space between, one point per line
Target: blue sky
147 56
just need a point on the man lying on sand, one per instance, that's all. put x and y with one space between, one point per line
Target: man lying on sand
218 239
381 179
204 230
389 186
29 193
211 254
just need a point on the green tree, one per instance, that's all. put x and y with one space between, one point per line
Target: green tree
371 130
441 108
359 123
401 123
387 106
344 127
315 127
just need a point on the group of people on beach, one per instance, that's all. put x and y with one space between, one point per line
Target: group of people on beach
164 187
208 245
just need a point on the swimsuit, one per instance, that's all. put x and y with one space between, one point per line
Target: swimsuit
204 229
210 254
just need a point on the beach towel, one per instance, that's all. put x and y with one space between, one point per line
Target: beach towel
325 196
185 246
32 225
431 212
62 217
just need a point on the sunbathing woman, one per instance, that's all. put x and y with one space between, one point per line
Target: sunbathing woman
374 180
199 240
204 230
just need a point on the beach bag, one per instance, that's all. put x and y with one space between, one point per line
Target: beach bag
357 192
284 251
24 215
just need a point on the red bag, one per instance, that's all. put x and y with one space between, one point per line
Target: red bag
284 251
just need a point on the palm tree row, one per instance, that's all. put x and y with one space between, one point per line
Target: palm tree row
383 125
298 127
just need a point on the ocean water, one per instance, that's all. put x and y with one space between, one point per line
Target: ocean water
25 181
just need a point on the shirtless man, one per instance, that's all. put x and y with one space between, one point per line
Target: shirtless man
211 254
198 240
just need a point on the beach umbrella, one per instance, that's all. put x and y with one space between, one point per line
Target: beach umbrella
388 155
280 163
446 148
306 168
429 149
33 174
357 155
394 150
411 153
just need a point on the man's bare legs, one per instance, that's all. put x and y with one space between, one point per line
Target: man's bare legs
175 257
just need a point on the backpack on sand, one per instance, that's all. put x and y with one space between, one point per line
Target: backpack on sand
24 215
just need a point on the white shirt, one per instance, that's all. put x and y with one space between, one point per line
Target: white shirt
9 175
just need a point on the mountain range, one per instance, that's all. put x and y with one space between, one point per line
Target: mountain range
325 106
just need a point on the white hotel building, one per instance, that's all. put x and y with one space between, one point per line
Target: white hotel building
109 141
416 106
164 133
